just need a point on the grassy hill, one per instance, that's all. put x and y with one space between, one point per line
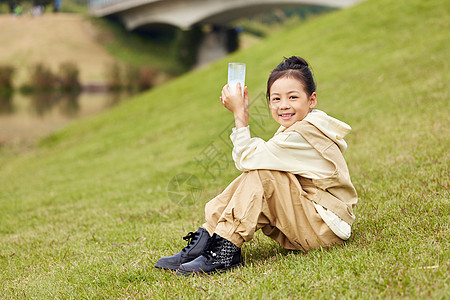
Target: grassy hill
87 212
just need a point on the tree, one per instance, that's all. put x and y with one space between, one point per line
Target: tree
11 4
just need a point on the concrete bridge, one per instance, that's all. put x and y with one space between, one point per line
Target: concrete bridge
186 13
189 14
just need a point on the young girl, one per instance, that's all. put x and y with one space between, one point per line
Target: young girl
295 187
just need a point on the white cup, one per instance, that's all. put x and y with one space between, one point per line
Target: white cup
236 73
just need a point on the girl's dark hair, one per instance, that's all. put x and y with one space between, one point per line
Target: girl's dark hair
293 67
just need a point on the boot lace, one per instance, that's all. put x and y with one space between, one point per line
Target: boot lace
191 237
211 247
220 251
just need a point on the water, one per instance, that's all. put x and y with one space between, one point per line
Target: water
26 118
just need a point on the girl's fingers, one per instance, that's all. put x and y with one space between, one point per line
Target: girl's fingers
235 101
246 102
238 88
225 91
224 94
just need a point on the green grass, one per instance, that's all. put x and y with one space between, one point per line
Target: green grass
86 214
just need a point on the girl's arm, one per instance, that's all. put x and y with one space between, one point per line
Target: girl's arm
236 104
286 151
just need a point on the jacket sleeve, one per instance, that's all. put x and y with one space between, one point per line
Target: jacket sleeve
286 151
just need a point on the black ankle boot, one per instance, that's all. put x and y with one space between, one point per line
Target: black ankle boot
197 242
219 256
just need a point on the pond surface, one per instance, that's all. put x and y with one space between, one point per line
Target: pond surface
25 118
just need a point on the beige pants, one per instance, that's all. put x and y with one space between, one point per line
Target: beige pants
273 201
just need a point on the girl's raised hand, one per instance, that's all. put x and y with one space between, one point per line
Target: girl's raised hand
236 104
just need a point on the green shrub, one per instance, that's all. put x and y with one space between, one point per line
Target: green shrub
68 77
147 78
114 76
6 77
130 77
42 78
186 46
6 105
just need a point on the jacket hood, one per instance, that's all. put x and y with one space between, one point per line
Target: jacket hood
333 128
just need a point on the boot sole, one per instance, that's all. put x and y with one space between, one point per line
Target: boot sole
171 267
167 267
185 273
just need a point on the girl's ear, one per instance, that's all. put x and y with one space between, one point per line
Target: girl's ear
313 100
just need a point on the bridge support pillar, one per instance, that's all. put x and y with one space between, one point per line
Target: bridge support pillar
217 42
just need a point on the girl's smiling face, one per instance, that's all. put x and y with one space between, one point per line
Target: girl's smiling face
289 102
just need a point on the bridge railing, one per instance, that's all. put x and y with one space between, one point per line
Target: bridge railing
101 3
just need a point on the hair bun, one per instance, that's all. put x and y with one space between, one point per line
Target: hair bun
293 67
296 62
